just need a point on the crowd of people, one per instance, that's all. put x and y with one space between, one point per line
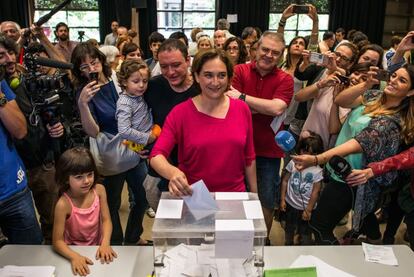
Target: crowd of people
219 103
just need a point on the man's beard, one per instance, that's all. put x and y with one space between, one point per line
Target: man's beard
64 38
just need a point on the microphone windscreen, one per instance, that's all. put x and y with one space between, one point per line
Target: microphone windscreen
341 166
285 141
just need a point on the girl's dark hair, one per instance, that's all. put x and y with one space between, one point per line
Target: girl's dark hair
128 67
79 54
131 47
210 54
288 56
242 48
74 161
312 144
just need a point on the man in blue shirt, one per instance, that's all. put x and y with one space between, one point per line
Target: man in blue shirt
17 215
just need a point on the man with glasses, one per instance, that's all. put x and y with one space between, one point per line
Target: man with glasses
268 91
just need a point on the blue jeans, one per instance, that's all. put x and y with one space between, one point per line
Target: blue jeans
268 181
18 219
114 185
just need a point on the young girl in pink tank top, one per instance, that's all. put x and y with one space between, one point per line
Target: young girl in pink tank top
81 213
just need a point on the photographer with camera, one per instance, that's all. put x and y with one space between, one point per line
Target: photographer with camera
18 219
44 128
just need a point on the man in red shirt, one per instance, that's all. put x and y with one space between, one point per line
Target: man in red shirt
268 91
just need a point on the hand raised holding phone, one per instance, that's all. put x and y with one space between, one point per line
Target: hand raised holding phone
372 76
93 76
318 58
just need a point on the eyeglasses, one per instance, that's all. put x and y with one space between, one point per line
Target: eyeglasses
342 57
85 67
266 50
235 48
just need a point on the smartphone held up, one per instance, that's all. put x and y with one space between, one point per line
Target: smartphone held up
300 9
318 58
93 76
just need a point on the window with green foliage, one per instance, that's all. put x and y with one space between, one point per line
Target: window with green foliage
184 15
80 15
300 24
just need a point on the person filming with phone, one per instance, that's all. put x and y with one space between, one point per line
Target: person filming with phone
383 122
321 91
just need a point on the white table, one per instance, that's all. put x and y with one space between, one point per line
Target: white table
138 260
131 261
347 258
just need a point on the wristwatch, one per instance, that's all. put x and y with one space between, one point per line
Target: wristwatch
242 97
3 99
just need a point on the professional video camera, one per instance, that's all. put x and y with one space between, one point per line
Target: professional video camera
47 91
43 89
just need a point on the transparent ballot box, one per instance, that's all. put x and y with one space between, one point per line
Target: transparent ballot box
227 242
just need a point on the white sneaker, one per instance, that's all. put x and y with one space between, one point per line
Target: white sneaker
150 212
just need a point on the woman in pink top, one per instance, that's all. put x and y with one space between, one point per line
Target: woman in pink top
81 213
212 131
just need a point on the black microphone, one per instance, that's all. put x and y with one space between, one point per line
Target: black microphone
340 166
52 63
47 16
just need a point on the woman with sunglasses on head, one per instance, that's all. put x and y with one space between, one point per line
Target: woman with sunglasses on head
390 122
97 106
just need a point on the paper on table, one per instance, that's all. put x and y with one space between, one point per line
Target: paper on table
27 271
230 267
169 208
200 203
179 252
205 254
323 269
253 209
379 254
232 196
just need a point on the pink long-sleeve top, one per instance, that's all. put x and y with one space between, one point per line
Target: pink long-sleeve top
213 149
